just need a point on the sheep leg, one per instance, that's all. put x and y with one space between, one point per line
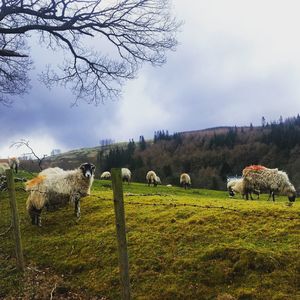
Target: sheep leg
35 215
270 194
77 206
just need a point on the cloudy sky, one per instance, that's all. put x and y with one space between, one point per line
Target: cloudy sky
236 61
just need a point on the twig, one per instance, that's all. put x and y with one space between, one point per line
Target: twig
51 295
34 269
6 231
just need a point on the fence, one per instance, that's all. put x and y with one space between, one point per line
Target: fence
10 218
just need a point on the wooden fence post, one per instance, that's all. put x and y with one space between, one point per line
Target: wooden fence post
15 218
121 232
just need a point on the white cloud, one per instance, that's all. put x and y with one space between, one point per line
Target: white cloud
41 143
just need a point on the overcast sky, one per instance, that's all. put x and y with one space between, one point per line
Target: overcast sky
236 61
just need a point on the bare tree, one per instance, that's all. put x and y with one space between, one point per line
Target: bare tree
26 143
131 31
13 67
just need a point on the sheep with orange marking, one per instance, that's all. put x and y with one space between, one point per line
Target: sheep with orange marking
55 185
272 180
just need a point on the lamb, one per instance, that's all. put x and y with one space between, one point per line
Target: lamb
185 180
105 175
54 185
152 178
126 175
237 185
272 180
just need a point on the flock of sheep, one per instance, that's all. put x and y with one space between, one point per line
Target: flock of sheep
57 186
151 178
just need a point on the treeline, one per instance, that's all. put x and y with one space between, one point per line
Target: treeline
210 156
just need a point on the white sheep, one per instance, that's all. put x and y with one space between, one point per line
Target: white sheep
105 175
272 180
58 186
237 185
152 178
126 175
14 163
185 180
3 167
158 180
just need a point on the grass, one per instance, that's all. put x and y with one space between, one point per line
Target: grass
198 251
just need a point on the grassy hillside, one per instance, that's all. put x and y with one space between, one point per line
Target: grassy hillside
195 244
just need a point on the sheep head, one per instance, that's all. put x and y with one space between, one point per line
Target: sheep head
87 169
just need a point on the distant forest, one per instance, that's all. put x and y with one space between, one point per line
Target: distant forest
210 156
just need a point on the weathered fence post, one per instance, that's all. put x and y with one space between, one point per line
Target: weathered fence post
121 232
15 218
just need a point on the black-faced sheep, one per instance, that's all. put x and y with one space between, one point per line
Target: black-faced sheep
105 175
126 175
58 186
152 178
185 180
272 180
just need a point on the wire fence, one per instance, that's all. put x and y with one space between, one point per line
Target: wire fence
293 216
5 215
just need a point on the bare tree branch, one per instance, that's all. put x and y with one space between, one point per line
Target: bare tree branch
25 143
132 31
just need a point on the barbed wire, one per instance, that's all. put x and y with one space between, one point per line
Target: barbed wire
177 205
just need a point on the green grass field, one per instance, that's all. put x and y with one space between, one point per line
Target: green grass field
194 244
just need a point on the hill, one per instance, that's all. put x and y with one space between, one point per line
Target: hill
194 244
209 155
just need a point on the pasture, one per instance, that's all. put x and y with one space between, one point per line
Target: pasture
182 244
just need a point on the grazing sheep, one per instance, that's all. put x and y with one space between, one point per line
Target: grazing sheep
14 163
169 185
237 185
185 180
3 167
105 175
272 180
152 178
126 175
158 180
54 185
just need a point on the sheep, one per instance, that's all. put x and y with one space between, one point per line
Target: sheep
158 180
105 175
126 175
54 185
185 180
169 185
237 185
3 167
272 180
152 178
14 163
